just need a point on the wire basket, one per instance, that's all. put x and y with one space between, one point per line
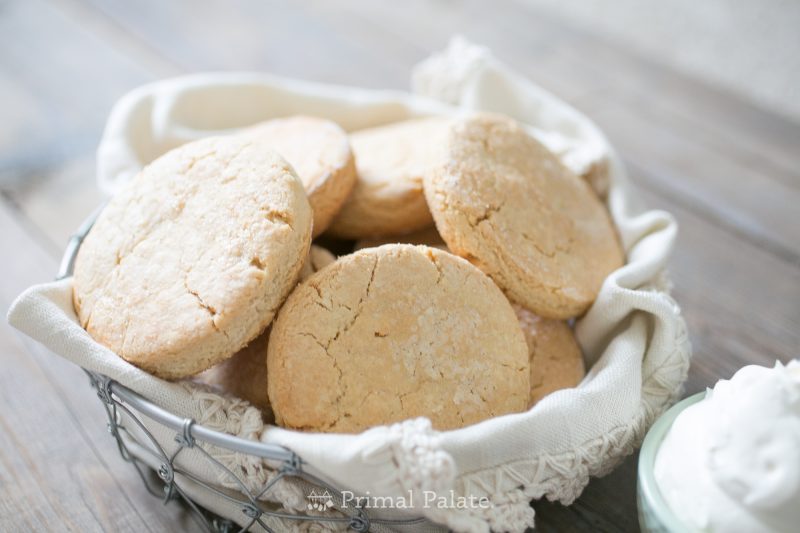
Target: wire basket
125 410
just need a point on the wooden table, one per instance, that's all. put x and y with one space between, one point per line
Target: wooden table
728 171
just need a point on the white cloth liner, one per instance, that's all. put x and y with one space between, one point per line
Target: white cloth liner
633 336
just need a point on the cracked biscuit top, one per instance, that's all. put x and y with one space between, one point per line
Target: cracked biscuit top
319 151
395 332
191 259
501 200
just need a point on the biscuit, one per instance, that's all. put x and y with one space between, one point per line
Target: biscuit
190 261
555 357
504 202
320 153
428 236
391 161
395 332
245 374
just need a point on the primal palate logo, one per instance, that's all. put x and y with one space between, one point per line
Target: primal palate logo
319 501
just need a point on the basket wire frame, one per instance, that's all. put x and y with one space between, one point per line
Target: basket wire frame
124 406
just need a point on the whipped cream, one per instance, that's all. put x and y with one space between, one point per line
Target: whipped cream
731 462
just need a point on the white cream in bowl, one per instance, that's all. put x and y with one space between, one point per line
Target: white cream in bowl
731 462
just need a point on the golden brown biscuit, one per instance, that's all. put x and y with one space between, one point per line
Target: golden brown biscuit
503 201
320 153
190 261
391 161
556 359
428 236
395 332
245 374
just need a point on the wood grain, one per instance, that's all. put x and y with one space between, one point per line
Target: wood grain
727 170
60 469
69 78
745 201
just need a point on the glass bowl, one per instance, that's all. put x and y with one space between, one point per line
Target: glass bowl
655 515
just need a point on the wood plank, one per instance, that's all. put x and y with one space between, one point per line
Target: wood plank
607 504
60 200
426 27
61 96
60 468
52 472
51 479
272 36
728 117
70 79
338 43
745 201
735 129
625 72
732 146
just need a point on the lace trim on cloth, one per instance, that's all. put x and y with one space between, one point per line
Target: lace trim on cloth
562 477
238 418
414 447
